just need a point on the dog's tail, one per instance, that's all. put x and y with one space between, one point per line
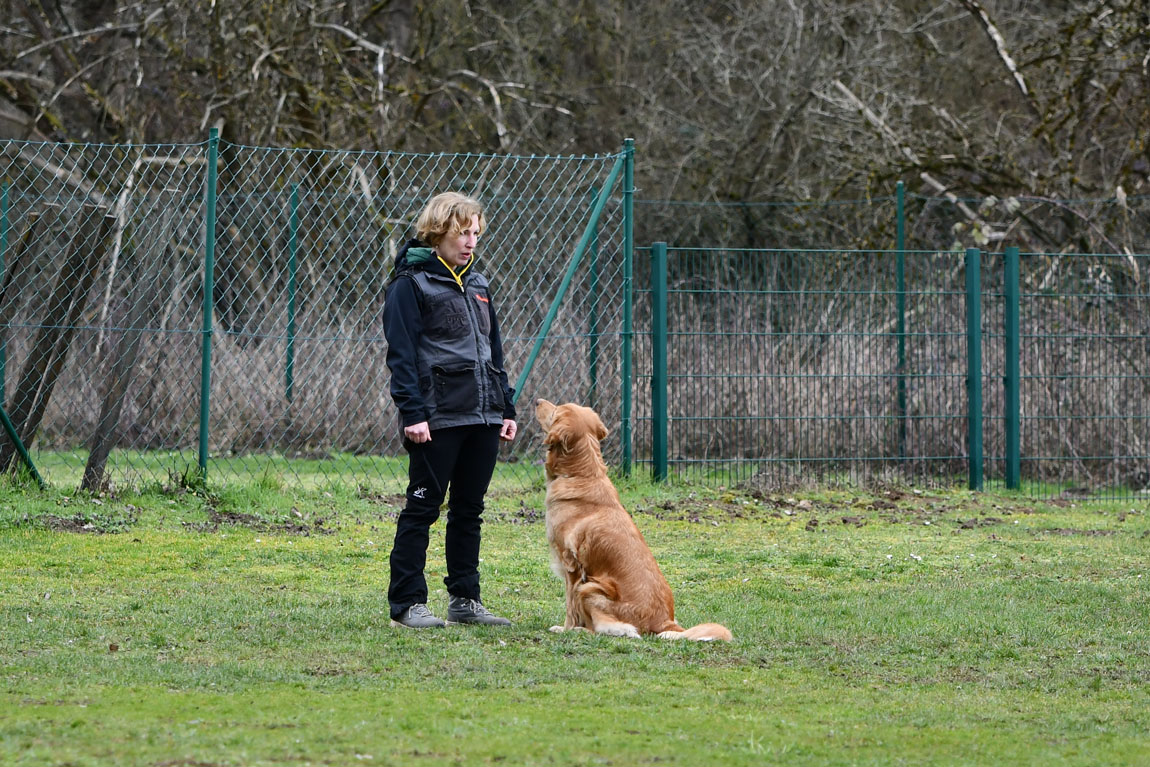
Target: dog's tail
704 632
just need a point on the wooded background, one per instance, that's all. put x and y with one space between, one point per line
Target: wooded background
745 100
773 124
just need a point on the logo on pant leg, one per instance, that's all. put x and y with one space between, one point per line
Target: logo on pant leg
419 492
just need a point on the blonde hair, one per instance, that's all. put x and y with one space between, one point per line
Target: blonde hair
447 213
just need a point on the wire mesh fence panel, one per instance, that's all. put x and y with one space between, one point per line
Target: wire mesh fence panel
103 270
783 366
1085 383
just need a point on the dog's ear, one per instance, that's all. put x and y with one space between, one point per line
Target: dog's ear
559 433
601 431
544 413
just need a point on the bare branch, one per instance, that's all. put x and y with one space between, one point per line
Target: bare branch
496 102
873 118
889 134
74 35
999 42
1090 224
941 188
10 74
535 104
74 179
363 42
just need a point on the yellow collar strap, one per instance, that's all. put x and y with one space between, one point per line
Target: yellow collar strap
458 276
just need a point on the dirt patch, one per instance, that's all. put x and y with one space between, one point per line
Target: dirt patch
1072 531
96 524
971 524
384 499
524 515
297 524
888 505
715 509
815 513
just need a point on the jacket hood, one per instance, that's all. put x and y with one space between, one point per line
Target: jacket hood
413 255
416 255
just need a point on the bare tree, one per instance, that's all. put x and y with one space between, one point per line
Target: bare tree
734 101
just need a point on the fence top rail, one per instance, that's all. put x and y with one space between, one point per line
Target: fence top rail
781 251
886 199
810 251
1026 254
318 150
882 251
765 203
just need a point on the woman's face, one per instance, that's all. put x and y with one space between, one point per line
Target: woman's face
456 249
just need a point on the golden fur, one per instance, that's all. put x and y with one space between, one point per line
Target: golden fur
613 583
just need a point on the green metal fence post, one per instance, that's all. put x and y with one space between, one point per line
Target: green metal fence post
900 309
659 360
293 235
3 253
593 314
209 290
628 329
1012 379
974 366
10 429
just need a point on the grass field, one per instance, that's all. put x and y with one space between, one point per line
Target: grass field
248 626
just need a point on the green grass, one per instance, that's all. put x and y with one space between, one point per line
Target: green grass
248 625
168 469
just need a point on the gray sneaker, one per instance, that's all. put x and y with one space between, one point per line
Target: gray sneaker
417 617
464 610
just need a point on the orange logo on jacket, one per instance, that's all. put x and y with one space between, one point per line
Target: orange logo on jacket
482 298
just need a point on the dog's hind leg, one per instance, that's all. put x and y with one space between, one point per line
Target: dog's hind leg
613 628
575 617
573 621
598 602
566 565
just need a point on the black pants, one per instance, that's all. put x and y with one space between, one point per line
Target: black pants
463 460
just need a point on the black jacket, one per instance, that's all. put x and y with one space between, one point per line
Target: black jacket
444 350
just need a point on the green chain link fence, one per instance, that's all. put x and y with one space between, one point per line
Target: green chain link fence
115 369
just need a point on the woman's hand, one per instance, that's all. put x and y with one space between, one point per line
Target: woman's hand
509 430
418 432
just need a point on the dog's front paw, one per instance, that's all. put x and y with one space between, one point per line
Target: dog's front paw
557 629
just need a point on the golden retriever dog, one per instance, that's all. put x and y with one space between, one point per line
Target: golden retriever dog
613 584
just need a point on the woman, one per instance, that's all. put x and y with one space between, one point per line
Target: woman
447 380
